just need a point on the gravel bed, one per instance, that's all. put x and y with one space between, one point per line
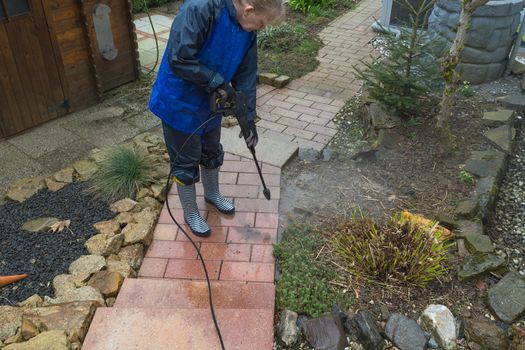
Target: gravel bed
44 255
508 228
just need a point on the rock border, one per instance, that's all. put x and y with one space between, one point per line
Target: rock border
94 280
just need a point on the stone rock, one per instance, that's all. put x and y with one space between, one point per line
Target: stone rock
87 264
25 188
85 169
104 245
281 81
53 185
447 222
267 78
97 155
308 154
499 117
478 243
467 209
486 190
17 338
337 311
379 118
109 227
86 293
149 203
440 322
124 218
63 283
325 332
121 267
502 137
33 301
486 334
288 331
507 297
138 233
485 163
405 333
28 329
518 338
39 225
123 205
475 265
514 102
159 191
469 227
108 282
144 192
368 334
132 254
51 340
10 321
110 302
65 175
389 139
327 154
147 217
517 67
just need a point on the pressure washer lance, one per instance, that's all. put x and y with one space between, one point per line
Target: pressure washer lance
238 107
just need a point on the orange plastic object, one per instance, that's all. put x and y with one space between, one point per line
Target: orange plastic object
5 280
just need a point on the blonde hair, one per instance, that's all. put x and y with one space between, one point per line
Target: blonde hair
275 9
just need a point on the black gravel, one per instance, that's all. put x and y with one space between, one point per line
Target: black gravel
44 255
508 228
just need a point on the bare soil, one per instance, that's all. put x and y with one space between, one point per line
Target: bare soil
416 175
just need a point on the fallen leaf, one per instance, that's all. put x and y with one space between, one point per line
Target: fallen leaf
59 226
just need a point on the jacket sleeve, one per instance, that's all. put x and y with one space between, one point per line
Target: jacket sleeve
245 79
188 33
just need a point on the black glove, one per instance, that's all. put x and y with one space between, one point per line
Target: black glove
253 138
226 91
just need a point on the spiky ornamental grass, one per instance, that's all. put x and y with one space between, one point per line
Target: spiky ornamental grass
123 171
399 253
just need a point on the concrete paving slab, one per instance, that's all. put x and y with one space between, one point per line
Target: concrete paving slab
147 44
269 151
147 57
66 155
43 139
15 165
103 132
144 121
158 27
162 20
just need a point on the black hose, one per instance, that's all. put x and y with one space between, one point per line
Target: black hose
212 116
156 39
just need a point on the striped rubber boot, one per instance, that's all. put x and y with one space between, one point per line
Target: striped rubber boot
210 183
193 218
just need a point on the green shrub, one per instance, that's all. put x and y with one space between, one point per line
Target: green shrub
139 6
303 285
280 37
407 75
121 174
466 90
466 177
400 252
307 5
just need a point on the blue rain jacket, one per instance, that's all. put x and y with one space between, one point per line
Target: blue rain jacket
206 48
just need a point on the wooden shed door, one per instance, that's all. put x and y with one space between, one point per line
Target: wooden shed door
31 91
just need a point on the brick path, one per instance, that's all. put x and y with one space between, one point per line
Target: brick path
167 306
